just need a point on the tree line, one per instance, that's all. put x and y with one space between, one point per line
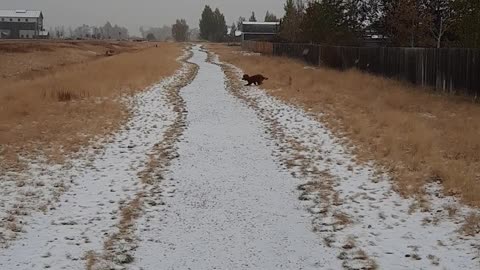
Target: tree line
212 27
107 31
179 31
427 23
156 33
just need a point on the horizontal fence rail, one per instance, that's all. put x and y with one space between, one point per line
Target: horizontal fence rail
449 70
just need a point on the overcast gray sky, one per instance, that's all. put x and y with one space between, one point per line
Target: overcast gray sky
134 13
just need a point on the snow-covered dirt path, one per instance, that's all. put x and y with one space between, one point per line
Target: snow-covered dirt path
234 207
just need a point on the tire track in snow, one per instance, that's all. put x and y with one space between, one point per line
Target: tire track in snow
100 186
120 247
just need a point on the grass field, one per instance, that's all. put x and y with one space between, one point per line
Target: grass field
55 97
28 59
417 135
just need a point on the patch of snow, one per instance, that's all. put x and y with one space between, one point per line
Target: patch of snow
247 53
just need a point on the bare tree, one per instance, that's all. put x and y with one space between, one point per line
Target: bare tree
443 19
103 32
233 30
240 22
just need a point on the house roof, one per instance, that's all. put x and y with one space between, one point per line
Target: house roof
261 23
259 33
261 27
20 13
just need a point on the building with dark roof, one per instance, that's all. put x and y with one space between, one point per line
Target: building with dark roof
21 24
261 31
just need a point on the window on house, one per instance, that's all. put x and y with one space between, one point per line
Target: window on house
11 19
26 20
18 19
21 36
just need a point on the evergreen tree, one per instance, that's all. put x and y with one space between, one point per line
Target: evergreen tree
290 24
252 18
212 25
270 17
180 31
467 24
207 23
220 27
358 14
151 37
408 22
329 22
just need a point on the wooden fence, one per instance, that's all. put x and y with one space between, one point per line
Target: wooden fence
449 70
258 47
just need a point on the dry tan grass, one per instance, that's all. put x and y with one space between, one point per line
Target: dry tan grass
471 226
59 112
91 259
29 59
417 135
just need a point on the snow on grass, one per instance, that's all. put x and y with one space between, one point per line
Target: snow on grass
120 247
98 185
355 208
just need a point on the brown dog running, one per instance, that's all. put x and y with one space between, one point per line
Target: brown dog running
256 79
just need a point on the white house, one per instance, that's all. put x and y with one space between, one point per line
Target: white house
20 24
